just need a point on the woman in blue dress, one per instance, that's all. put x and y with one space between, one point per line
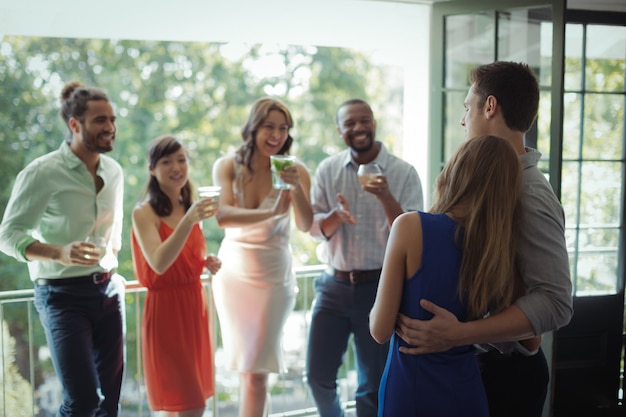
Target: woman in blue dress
460 256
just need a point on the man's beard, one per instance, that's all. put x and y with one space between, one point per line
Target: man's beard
91 143
363 148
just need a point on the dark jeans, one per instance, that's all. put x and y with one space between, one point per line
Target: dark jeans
516 385
85 329
342 309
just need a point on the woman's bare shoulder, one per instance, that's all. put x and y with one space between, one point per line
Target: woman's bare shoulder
143 211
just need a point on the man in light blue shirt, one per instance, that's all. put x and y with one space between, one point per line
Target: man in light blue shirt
353 222
58 201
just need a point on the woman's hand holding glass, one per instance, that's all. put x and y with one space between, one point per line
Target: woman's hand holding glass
290 175
203 208
207 204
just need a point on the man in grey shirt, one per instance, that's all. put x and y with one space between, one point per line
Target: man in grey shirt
503 100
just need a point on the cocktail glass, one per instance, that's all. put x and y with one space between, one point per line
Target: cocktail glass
369 173
279 163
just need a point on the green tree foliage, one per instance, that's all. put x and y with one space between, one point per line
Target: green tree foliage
592 169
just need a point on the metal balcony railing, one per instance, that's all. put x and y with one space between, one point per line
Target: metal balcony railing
29 386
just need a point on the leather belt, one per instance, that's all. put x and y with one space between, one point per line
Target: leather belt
95 278
355 277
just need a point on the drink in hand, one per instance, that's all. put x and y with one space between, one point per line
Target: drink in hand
366 178
100 246
210 191
278 164
101 252
369 173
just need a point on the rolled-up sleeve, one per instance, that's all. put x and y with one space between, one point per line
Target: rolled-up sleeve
543 259
23 213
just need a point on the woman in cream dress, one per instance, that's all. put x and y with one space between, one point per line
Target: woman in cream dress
255 289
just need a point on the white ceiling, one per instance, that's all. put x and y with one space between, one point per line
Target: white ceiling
285 21
340 23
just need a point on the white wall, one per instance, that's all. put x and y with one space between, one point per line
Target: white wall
396 33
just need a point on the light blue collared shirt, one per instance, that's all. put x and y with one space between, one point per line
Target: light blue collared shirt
361 246
54 201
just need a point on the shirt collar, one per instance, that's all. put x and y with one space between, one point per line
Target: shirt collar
530 158
72 161
69 158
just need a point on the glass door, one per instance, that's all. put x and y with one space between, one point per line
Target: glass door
589 357
466 36
581 135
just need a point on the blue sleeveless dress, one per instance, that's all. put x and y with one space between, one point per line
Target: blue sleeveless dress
446 384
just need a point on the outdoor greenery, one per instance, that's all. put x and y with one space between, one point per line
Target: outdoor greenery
592 173
19 388
201 92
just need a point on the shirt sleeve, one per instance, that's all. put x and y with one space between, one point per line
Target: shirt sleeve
543 260
118 215
412 197
28 200
319 202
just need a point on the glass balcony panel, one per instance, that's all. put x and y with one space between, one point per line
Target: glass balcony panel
29 385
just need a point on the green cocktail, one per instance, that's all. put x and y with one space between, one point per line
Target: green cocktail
278 164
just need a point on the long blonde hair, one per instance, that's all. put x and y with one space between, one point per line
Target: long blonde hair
483 182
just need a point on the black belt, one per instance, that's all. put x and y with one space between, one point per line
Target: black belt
355 277
95 278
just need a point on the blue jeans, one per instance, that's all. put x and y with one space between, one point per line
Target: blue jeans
342 309
85 330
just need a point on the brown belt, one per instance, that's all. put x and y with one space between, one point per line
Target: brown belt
95 278
355 277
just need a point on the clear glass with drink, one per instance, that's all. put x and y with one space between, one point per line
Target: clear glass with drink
369 173
278 164
100 246
210 191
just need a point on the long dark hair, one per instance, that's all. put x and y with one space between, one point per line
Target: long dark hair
258 113
160 147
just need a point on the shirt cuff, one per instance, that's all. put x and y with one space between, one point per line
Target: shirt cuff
20 248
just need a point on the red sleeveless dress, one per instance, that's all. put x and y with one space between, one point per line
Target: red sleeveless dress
176 345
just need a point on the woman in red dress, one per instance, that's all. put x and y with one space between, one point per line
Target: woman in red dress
169 255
